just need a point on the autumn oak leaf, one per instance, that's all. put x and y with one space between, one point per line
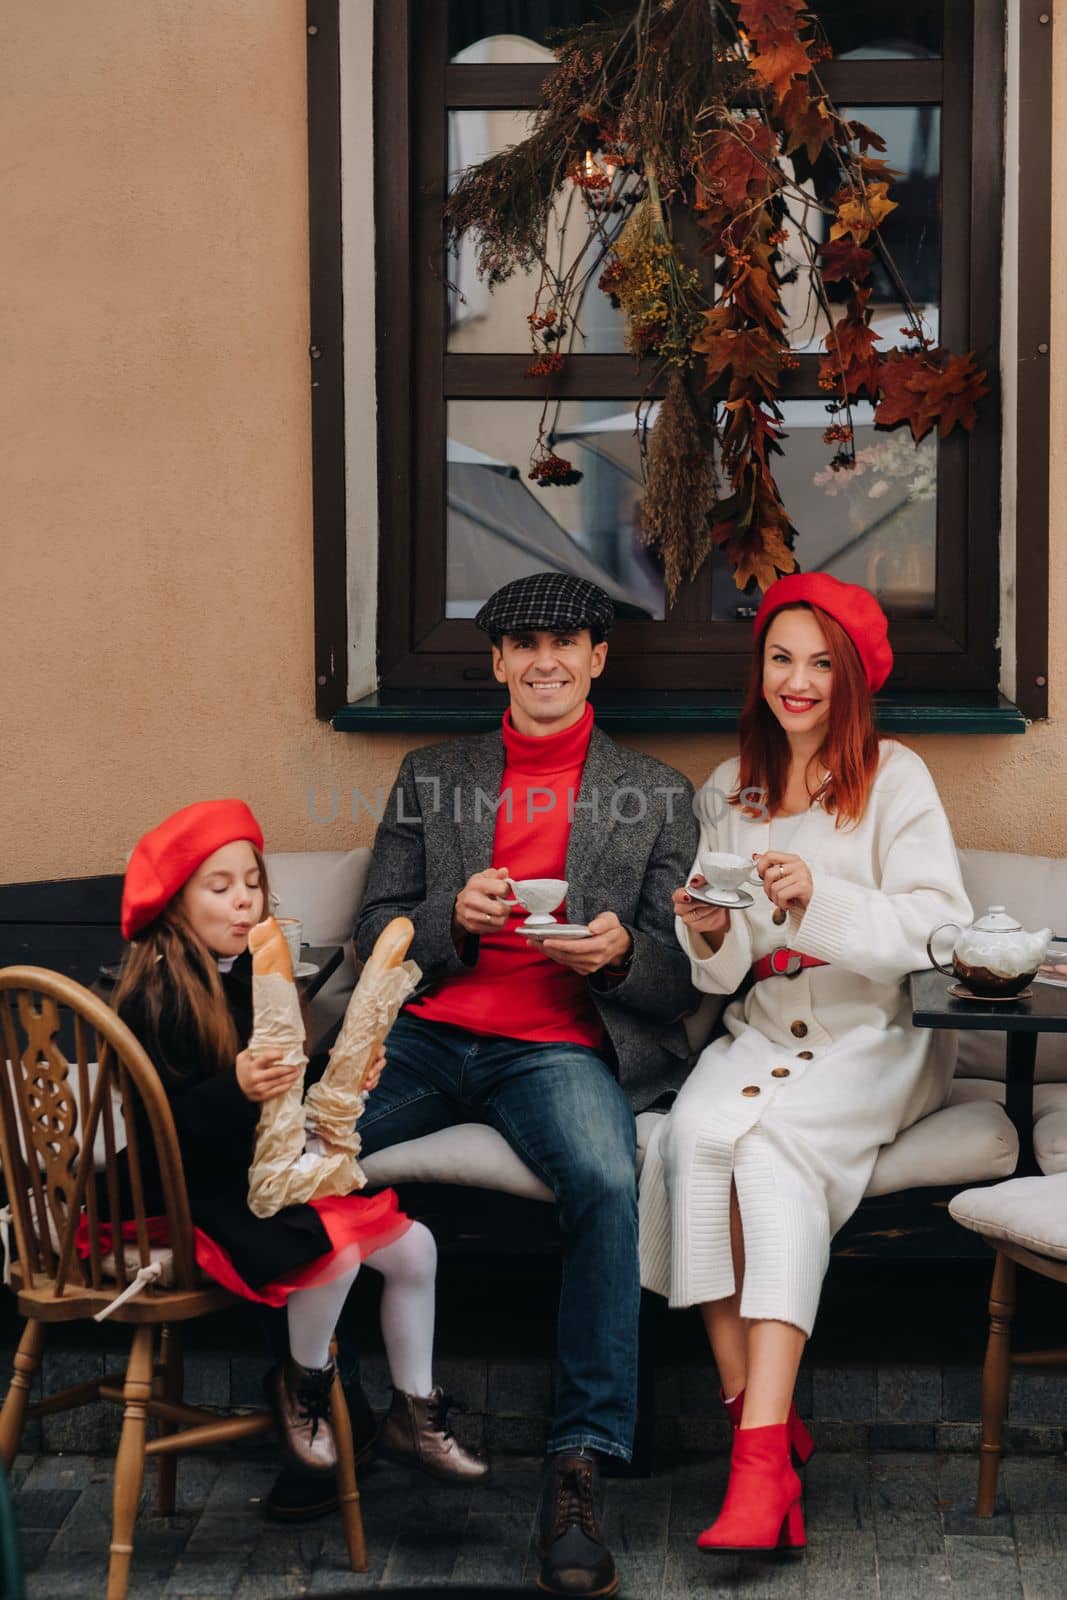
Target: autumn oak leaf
807 123
862 213
852 360
781 58
751 355
840 259
771 16
899 402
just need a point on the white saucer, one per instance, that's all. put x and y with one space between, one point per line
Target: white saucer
305 969
733 902
558 930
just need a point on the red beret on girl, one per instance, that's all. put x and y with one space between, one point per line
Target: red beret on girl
165 859
854 607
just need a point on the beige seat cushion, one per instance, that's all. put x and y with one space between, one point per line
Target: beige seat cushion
960 1144
1050 1126
1031 1212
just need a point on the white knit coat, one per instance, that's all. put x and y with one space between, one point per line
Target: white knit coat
815 1072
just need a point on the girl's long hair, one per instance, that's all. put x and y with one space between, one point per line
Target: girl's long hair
173 974
849 752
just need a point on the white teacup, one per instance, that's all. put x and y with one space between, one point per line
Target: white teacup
293 929
725 872
539 897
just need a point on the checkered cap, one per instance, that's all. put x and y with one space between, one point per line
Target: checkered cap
553 601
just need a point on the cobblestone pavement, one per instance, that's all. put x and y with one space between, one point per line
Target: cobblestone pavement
893 1526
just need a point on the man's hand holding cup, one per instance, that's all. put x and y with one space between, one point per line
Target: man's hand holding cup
482 904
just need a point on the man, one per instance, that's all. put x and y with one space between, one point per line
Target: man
552 1041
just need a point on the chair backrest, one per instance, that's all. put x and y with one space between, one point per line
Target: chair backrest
51 1110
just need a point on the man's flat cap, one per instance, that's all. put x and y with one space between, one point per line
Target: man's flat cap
553 602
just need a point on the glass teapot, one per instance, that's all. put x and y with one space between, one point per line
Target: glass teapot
995 957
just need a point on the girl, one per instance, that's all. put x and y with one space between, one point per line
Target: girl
771 1142
194 888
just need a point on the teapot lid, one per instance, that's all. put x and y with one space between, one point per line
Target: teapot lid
997 920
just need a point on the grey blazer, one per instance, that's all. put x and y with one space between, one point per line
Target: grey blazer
632 842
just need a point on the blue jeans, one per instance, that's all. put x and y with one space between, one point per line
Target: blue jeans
561 1109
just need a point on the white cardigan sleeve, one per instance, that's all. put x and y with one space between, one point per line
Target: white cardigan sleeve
723 970
881 932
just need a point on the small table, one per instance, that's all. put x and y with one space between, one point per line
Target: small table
327 957
1022 1020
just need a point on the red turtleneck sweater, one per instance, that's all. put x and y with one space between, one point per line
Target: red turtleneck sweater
516 991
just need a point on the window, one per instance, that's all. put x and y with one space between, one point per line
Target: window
457 78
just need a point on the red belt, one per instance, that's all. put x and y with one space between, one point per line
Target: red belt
783 963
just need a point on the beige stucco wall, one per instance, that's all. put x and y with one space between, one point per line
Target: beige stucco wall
157 598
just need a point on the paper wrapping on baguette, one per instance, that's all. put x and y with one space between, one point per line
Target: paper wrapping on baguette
281 1174
336 1101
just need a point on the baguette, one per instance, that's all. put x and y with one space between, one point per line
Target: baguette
391 945
270 951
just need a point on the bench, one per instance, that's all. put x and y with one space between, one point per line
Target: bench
476 1194
72 926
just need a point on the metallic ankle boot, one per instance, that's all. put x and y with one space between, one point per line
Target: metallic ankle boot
415 1433
300 1399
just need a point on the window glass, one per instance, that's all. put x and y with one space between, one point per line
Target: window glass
881 30
517 30
481 320
875 524
502 526
912 233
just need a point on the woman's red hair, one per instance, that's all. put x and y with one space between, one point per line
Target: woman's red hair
849 751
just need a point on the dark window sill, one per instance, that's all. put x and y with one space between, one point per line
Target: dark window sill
661 711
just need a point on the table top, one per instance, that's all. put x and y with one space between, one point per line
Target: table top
327 957
933 1007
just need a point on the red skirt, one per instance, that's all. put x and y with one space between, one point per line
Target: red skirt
357 1226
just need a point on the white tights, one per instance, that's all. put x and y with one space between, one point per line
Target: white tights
408 1267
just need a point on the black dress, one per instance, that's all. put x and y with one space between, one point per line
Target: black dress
216 1128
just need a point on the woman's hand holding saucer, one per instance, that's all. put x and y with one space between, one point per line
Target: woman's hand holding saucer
712 922
786 880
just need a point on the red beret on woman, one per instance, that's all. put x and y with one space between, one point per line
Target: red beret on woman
854 607
166 858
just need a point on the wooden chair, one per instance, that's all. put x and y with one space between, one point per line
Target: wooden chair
999 1360
48 1169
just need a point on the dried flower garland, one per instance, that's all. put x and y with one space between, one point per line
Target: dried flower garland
712 108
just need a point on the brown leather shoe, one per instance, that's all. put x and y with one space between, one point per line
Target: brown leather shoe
300 1399
416 1434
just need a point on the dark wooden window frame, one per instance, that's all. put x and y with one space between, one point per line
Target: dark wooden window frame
417 650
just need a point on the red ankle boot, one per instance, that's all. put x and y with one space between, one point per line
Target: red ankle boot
801 1441
762 1509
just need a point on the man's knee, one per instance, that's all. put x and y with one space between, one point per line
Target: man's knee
600 1177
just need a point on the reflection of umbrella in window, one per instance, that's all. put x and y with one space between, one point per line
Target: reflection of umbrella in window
498 530
824 548
614 438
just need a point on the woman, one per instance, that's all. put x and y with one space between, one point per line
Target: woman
771 1143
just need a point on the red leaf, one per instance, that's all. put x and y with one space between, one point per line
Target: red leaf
750 355
841 259
926 389
900 403
865 137
851 358
781 58
770 16
807 123
736 168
